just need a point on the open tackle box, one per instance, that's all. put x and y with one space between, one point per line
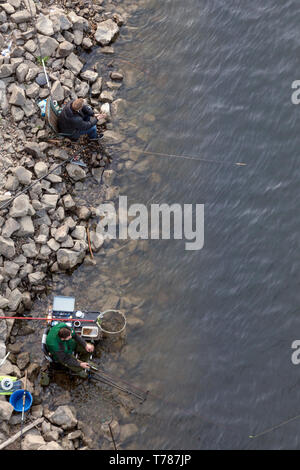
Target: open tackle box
63 308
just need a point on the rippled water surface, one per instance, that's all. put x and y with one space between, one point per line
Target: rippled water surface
210 79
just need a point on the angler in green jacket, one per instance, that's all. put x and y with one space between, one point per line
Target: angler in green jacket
62 342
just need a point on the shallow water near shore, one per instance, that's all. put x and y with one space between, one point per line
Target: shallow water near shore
210 79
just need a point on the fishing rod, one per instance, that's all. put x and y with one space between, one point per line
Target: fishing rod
23 407
69 160
48 319
188 157
102 377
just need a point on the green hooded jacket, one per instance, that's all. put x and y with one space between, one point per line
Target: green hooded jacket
62 350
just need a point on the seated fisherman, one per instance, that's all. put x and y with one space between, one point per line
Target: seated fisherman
62 342
78 119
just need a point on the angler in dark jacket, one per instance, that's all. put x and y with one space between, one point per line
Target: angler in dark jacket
62 342
78 119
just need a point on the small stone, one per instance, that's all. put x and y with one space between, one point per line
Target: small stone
21 16
40 169
7 247
65 48
20 206
89 75
75 172
57 91
73 64
44 25
36 278
11 226
6 410
17 97
24 176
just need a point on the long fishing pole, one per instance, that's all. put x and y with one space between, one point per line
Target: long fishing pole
110 381
47 319
23 407
274 427
188 157
69 160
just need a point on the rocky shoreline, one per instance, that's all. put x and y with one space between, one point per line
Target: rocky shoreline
43 231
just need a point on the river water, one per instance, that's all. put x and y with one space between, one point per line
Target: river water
212 79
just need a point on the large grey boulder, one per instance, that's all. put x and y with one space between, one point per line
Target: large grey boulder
68 259
75 172
63 417
106 32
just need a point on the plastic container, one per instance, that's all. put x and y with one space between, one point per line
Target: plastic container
90 331
16 400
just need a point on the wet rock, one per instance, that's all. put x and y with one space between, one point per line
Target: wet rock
68 259
127 431
63 417
106 32
75 172
97 240
89 75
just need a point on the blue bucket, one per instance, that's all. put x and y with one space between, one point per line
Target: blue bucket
16 400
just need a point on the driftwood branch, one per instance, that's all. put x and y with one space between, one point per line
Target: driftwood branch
18 434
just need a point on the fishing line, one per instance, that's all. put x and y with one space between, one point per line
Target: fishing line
187 157
274 427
